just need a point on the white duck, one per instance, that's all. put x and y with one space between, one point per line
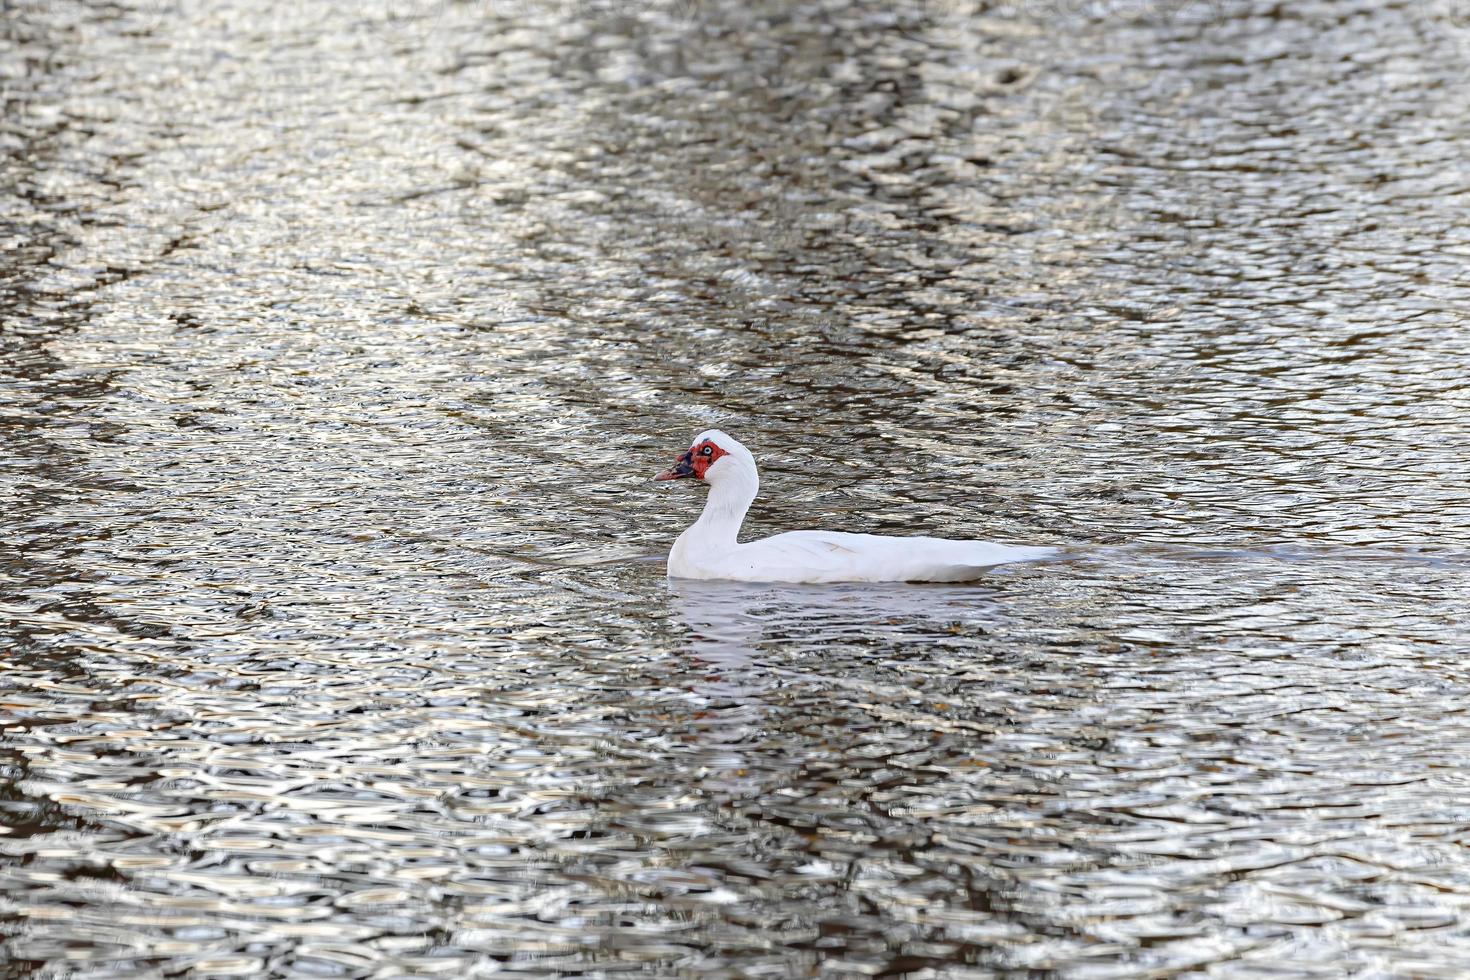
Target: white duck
711 549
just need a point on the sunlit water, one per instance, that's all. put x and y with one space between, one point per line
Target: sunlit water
341 343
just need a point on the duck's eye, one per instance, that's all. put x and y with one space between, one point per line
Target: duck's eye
706 451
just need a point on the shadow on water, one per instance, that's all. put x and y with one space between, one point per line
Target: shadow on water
55 601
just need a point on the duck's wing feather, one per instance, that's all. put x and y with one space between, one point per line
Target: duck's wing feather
839 556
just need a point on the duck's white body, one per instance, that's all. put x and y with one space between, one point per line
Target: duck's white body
710 549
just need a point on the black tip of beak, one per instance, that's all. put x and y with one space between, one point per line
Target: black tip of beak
683 466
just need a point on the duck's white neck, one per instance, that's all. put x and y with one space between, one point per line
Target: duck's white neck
729 498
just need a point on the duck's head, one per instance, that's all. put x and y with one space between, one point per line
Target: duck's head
712 457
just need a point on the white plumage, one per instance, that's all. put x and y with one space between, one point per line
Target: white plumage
710 549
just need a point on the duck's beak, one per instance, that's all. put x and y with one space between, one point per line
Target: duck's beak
683 466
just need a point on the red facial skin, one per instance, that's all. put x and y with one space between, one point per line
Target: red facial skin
694 461
700 461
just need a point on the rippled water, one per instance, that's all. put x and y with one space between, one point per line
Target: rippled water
341 343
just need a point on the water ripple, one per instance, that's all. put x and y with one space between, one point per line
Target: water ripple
340 344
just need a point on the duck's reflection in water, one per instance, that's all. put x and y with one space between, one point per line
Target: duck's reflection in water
788 674
752 631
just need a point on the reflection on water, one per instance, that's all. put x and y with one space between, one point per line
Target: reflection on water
728 623
340 340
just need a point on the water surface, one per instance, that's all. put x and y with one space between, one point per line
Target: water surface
341 342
